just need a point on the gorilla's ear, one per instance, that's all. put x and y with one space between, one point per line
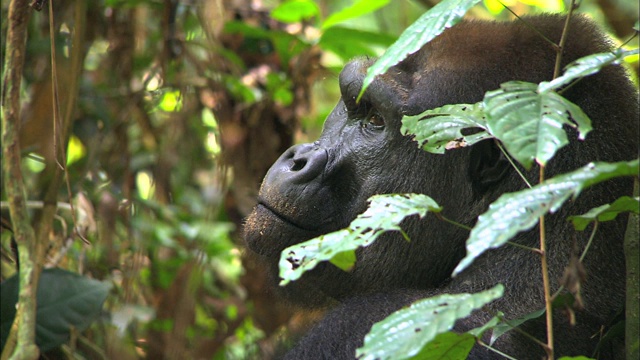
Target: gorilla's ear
487 165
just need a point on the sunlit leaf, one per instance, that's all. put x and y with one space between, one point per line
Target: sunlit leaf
75 150
171 101
530 125
358 8
405 332
65 300
520 211
295 10
585 66
33 162
145 185
495 7
440 129
385 213
546 5
431 24
606 212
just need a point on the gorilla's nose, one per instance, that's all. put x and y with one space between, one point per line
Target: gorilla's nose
298 165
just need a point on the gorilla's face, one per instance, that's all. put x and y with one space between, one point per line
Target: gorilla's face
317 188
320 187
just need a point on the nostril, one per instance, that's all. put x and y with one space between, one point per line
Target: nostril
298 164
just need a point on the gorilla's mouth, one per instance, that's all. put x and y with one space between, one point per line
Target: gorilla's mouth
287 220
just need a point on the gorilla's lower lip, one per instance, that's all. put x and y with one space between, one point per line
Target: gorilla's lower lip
284 218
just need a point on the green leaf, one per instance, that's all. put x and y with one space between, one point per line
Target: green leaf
520 211
262 41
440 129
65 300
491 324
503 328
344 260
359 8
530 125
349 43
385 213
448 345
585 66
239 27
431 24
295 11
606 212
405 332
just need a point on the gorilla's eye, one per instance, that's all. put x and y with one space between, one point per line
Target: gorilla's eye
373 121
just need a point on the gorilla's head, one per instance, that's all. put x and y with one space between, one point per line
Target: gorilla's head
319 187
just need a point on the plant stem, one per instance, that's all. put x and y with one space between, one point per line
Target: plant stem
513 165
631 253
496 351
24 324
548 299
563 40
441 217
545 281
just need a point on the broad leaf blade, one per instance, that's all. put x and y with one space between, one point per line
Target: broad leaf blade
359 8
440 129
585 66
431 24
295 10
530 125
65 300
606 212
446 346
385 213
503 328
349 43
405 332
520 211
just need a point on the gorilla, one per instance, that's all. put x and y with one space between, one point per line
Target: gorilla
320 187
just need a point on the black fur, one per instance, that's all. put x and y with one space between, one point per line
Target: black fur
318 188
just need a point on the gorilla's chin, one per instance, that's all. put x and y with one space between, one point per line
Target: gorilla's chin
264 225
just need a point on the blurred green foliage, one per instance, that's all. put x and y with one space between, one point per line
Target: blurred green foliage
148 185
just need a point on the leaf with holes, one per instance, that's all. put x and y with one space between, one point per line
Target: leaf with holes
520 211
529 124
385 213
405 332
440 129
431 24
